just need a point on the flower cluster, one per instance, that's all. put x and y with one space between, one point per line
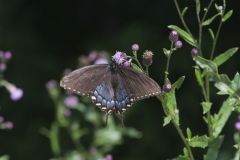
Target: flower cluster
174 38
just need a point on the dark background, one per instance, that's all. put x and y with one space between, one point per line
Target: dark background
48 36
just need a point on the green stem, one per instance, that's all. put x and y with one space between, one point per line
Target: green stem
136 59
177 127
205 14
182 18
216 39
54 139
168 63
200 31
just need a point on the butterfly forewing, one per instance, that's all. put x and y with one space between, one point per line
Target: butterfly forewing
138 84
84 80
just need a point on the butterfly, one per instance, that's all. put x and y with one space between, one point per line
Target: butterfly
112 87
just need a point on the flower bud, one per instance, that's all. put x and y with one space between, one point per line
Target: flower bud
195 52
237 125
135 47
173 36
178 44
147 58
167 87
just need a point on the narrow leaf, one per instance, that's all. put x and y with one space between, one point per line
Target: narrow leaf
219 60
223 115
209 21
179 82
236 82
227 16
187 37
206 64
206 106
136 67
184 11
214 146
198 6
211 33
198 77
167 120
189 133
199 141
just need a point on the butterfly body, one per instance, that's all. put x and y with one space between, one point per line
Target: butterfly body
112 87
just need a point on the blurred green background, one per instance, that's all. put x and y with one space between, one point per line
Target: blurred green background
48 36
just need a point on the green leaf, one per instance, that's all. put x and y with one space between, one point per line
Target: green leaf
5 157
224 88
220 59
213 150
167 120
189 133
166 52
198 76
187 37
236 82
198 6
210 20
227 16
222 116
199 141
184 11
206 106
136 67
179 82
206 64
211 33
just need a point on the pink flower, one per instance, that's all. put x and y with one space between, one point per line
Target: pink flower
51 84
8 125
119 57
7 55
15 93
71 101
101 61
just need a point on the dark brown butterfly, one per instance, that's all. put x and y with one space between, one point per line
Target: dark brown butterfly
112 87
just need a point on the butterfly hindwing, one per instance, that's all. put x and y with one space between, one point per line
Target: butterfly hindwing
84 80
138 84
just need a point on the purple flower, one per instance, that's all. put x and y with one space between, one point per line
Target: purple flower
173 36
135 47
167 87
195 52
16 94
3 67
126 64
178 44
101 61
119 57
237 125
108 157
71 101
7 55
93 56
51 84
8 125
1 119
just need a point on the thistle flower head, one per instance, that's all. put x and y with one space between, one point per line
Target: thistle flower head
51 84
173 36
147 58
71 101
15 93
178 44
135 47
167 87
119 58
195 52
